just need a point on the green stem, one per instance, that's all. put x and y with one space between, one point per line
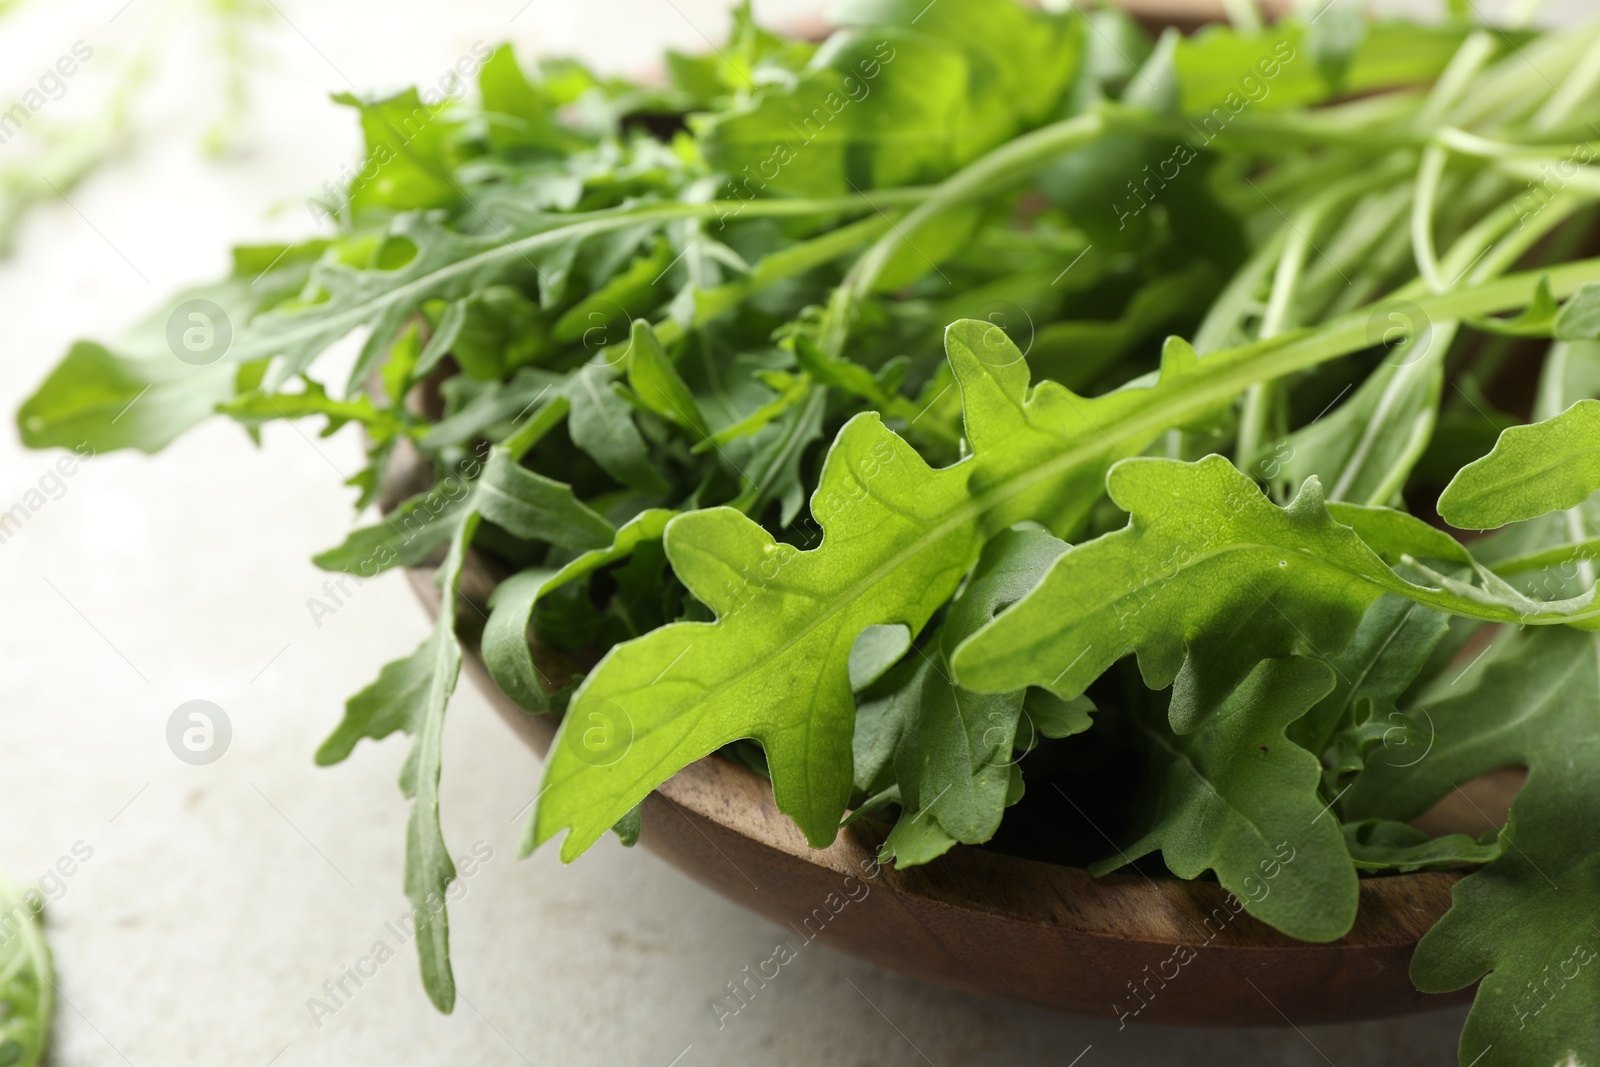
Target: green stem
1428 176
1573 552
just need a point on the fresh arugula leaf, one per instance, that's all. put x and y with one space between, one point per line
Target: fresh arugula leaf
411 694
1391 646
1366 449
27 982
602 425
953 759
1208 579
1524 923
141 395
1548 466
1238 798
658 385
1382 845
951 82
1579 317
106 402
408 146
506 649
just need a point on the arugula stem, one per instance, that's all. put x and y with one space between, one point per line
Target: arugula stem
1571 552
1428 176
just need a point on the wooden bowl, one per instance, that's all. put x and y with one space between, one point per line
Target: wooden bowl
997 925
1121 946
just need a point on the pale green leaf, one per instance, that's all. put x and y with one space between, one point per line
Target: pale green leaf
1547 466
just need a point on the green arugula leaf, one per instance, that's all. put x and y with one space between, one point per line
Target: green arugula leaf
1526 921
536 508
406 537
658 385
951 81
1237 798
773 469
142 395
106 402
1383 845
1547 466
519 115
952 760
408 147
1391 646
506 649
1208 579
1579 317
1366 449
27 982
411 694
602 425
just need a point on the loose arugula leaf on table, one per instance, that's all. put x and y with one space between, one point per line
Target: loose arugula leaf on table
27 983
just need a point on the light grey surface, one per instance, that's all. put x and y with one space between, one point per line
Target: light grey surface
220 897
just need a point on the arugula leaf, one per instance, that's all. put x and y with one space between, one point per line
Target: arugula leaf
1391 646
1526 921
951 82
506 649
656 383
1383 845
142 395
1579 317
106 402
1368 446
952 759
1548 466
1208 579
411 694
1236 797
408 147
27 983
602 425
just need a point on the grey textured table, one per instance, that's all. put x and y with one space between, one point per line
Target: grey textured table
219 899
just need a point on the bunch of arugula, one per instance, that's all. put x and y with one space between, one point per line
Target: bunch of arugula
815 404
